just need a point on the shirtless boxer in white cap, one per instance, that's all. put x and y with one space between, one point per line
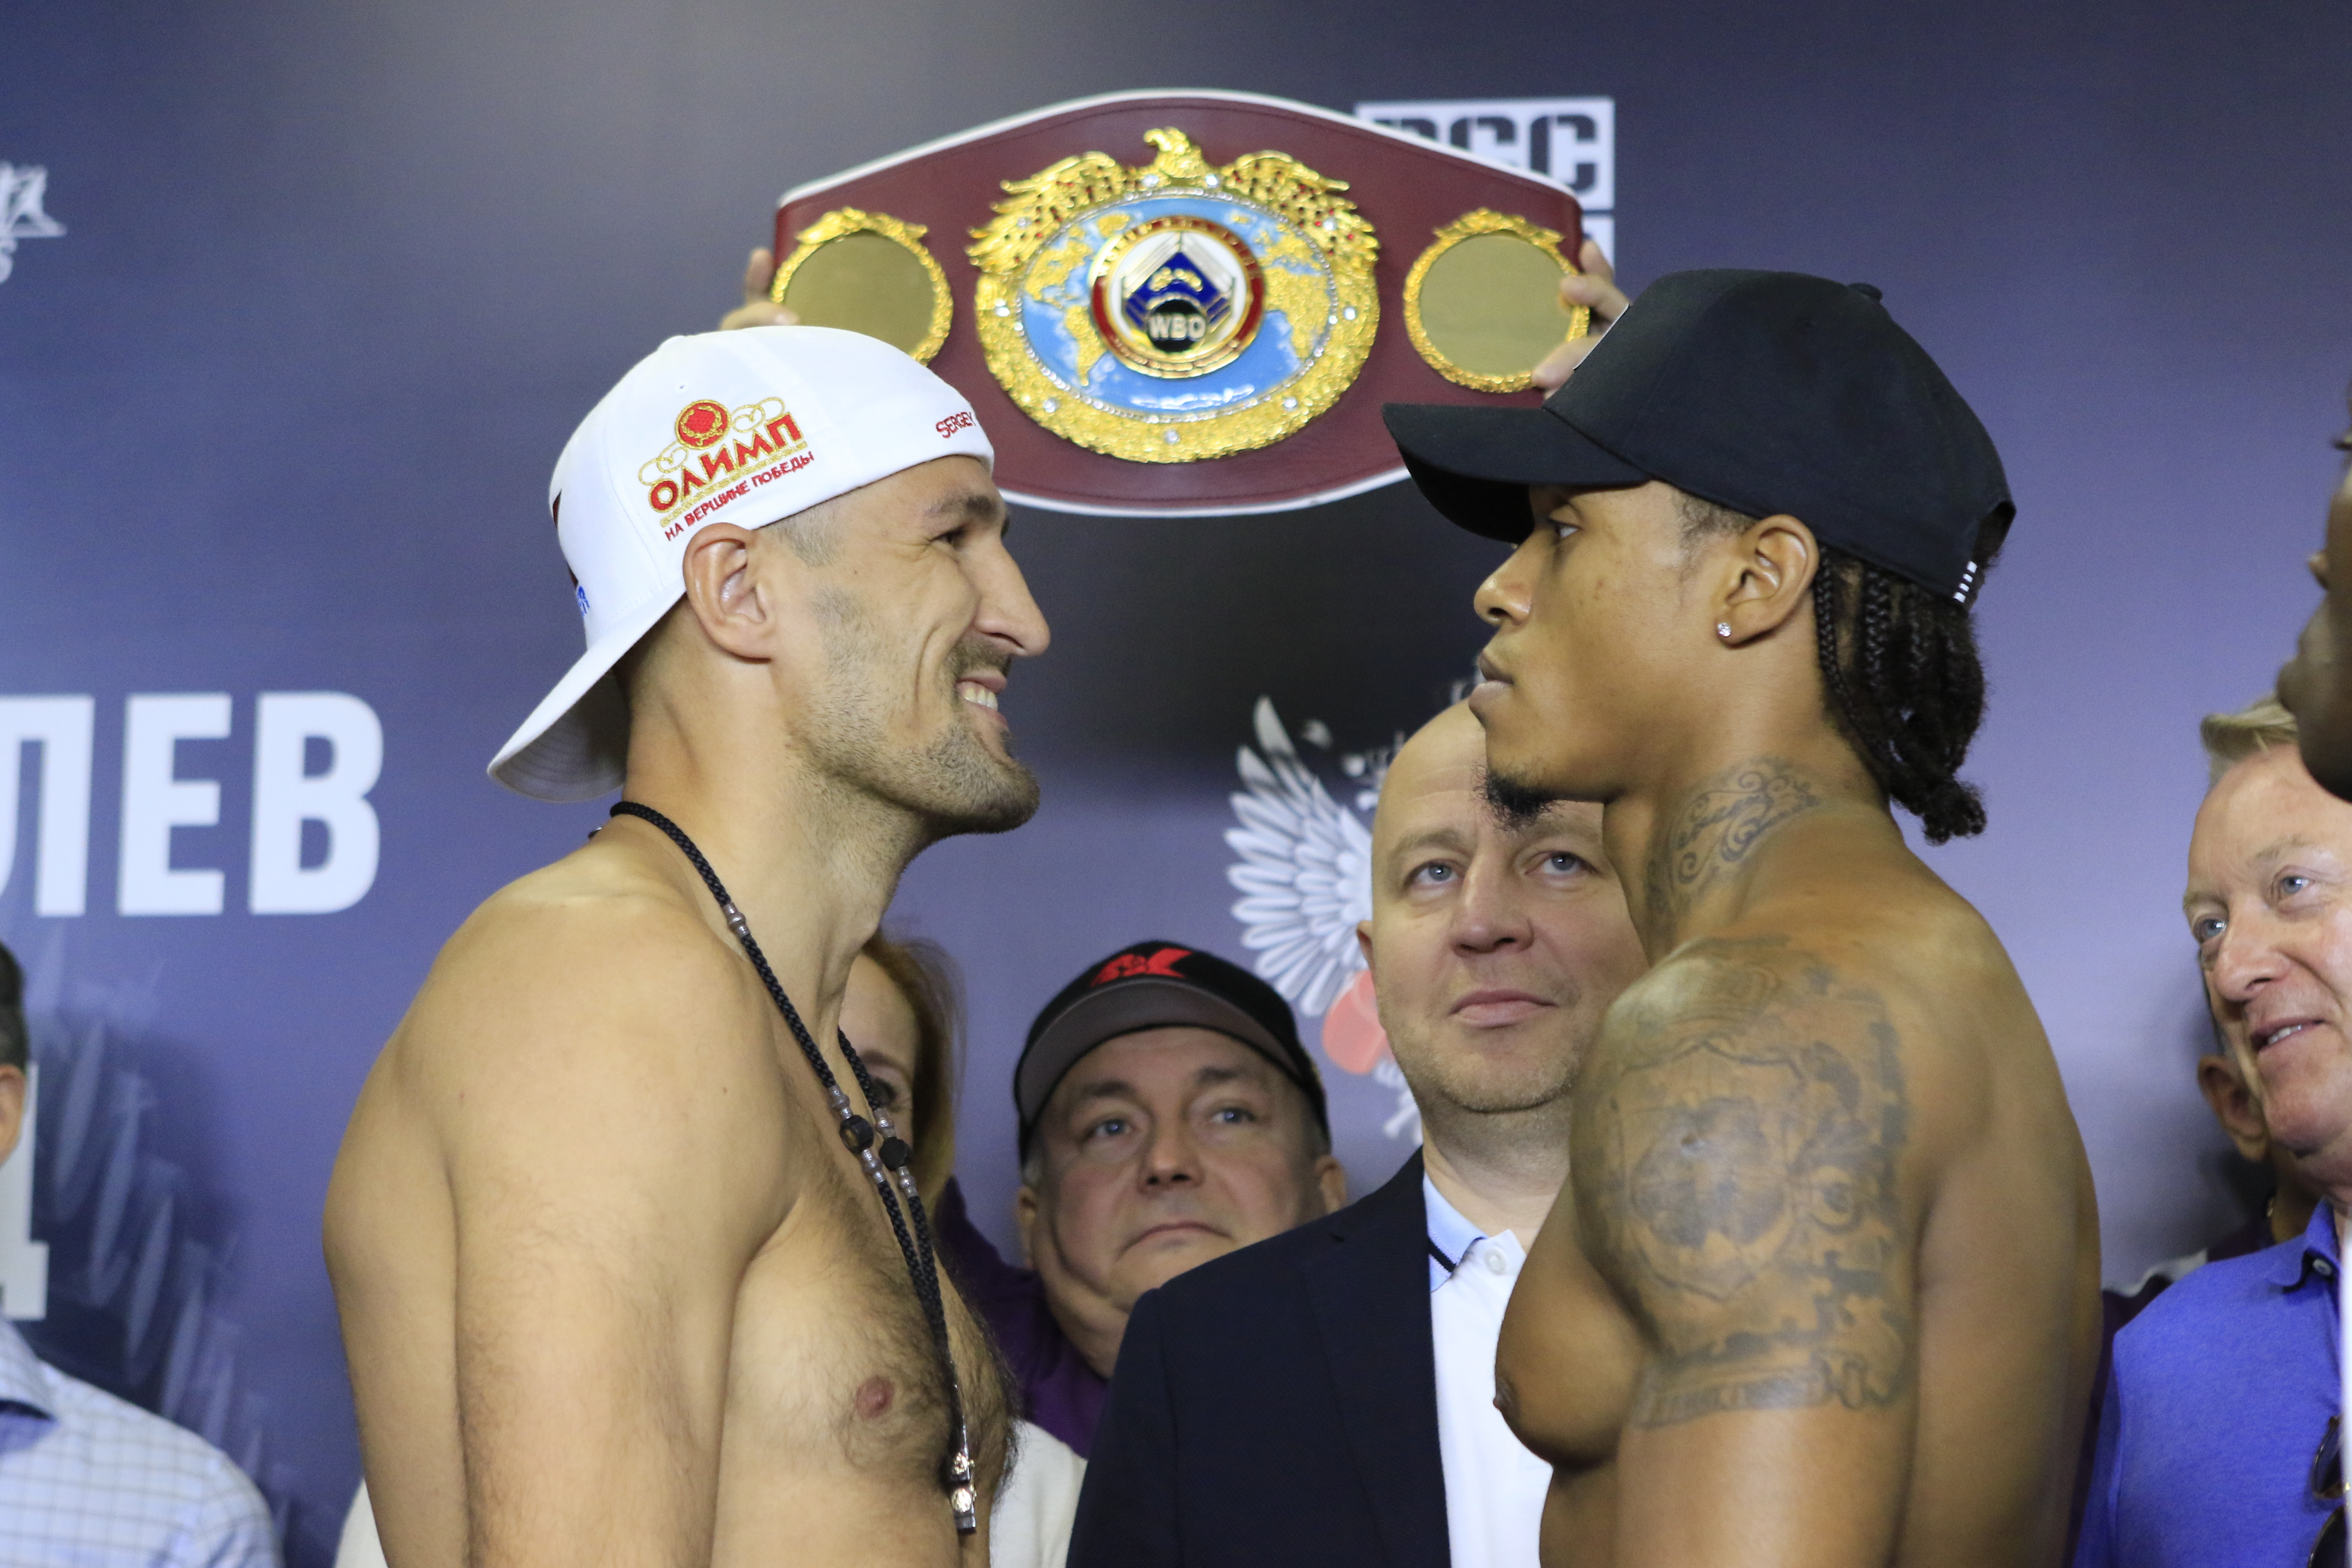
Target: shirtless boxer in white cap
597 1309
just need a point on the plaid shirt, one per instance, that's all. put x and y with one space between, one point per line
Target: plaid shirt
86 1479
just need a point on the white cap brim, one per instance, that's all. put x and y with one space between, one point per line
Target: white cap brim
575 744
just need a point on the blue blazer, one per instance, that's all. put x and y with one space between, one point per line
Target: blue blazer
1279 1405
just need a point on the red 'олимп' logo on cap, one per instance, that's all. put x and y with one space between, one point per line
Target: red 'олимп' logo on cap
702 422
704 471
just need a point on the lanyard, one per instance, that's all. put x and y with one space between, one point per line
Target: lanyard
858 1135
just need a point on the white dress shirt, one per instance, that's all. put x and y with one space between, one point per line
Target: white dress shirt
1038 1504
1493 1488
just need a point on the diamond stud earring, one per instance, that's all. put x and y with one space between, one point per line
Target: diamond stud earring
1723 629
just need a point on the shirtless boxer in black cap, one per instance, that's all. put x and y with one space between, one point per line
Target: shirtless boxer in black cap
1823 1286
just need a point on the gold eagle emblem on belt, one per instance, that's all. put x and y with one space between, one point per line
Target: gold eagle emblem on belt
1178 310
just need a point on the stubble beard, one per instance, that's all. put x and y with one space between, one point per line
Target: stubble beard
1464 1084
959 787
952 787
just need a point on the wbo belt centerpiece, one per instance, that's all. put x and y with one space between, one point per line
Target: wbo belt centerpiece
1178 311
1208 330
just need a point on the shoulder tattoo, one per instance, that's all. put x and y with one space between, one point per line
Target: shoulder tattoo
1738 1135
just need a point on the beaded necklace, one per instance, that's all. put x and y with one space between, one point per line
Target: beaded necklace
889 1169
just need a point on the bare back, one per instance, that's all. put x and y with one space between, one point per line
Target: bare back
612 1290
1823 1287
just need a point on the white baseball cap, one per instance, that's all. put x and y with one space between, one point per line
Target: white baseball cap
747 427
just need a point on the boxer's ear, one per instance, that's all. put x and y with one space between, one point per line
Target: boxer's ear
1768 573
727 591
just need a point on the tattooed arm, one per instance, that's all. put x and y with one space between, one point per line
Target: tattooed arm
1739 1132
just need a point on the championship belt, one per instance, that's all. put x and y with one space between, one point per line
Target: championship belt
1192 304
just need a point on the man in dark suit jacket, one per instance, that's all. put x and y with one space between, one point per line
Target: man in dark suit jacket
1327 1396
1279 1405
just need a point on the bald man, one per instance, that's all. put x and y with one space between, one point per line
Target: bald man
1329 1395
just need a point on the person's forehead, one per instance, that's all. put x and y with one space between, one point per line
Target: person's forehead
1171 1056
1448 792
1438 774
2263 810
1544 497
1634 505
949 482
1456 810
940 491
1443 798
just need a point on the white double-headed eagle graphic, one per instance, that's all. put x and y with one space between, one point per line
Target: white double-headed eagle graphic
1306 879
21 218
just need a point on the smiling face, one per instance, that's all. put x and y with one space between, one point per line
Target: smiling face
1597 620
1494 949
913 613
2316 685
1160 1150
2270 906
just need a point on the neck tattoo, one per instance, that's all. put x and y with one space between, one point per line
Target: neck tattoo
911 1227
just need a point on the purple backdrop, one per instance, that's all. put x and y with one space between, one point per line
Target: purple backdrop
277 410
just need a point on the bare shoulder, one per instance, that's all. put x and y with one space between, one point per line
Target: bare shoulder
1971 1042
1741 1132
585 986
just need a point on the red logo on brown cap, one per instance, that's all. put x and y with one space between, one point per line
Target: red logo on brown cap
702 422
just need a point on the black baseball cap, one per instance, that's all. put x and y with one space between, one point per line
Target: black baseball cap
1764 392
1158 986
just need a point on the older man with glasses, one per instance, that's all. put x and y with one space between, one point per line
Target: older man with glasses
2218 1440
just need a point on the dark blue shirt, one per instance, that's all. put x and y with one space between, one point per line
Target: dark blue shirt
2220 1395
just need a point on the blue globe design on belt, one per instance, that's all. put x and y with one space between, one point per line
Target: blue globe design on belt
1177 311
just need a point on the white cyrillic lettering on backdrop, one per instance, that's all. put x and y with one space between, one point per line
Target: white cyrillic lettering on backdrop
288 793
155 800
285 796
1571 139
61 727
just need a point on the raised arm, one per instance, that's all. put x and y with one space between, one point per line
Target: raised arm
615 1152
1740 1134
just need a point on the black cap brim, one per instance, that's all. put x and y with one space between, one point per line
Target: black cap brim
1476 464
1126 1007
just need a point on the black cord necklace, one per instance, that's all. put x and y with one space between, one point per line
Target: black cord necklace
859 1136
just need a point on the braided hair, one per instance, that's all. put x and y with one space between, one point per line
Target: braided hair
1900 675
1900 668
